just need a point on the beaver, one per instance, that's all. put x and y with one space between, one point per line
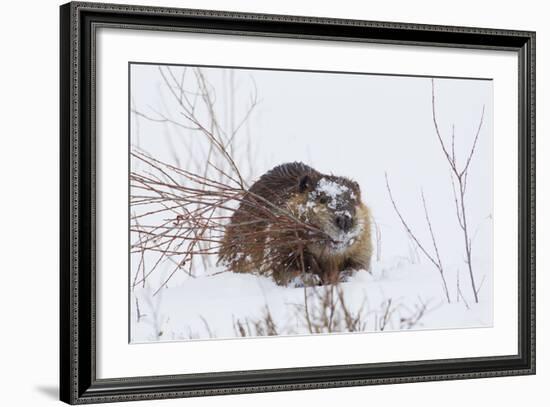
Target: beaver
299 226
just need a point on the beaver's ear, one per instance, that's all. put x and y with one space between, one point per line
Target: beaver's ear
305 183
356 188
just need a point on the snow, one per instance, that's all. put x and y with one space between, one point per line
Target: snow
331 188
211 306
307 206
384 127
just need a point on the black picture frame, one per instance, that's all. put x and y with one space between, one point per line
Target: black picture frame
78 381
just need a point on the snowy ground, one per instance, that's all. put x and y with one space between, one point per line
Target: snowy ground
395 296
362 126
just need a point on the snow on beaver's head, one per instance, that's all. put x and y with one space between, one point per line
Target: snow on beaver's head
334 205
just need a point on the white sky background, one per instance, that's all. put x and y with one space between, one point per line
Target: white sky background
354 125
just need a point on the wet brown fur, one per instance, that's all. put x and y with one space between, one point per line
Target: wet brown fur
274 232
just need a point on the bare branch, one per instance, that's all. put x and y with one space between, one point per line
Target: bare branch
435 260
440 267
459 180
474 144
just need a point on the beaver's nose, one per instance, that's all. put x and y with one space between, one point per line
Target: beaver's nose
344 222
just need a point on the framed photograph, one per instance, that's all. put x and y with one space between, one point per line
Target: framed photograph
255 203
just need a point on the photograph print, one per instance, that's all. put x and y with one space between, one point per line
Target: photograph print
267 202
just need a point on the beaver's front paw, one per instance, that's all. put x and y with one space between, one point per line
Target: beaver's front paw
305 280
345 275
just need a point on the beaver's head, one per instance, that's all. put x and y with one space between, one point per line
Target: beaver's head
332 204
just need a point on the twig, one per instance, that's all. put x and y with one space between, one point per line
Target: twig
440 267
461 177
435 261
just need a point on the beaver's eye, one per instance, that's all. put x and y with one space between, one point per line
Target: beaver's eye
323 200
